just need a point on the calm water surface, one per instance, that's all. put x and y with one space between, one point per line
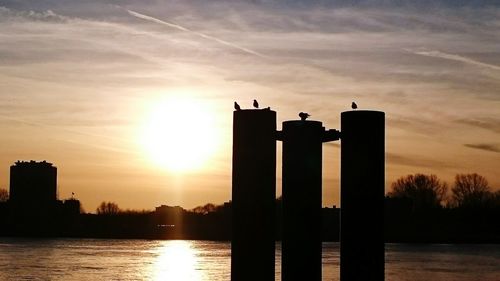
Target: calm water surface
89 259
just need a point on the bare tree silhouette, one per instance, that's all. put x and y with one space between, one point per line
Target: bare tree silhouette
425 191
108 208
205 209
470 190
495 199
4 195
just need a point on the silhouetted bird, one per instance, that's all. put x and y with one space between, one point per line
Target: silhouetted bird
303 116
255 104
354 105
237 106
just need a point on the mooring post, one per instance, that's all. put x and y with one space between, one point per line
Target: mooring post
362 196
302 162
253 195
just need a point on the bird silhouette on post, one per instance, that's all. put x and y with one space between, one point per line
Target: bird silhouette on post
303 116
354 105
237 106
255 104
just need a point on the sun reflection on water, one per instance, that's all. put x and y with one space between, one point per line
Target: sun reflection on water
176 260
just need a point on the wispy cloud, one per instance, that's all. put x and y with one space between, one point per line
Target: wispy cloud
417 161
485 146
77 136
47 15
483 123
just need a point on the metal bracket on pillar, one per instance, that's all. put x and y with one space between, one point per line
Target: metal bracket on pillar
279 135
331 135
328 136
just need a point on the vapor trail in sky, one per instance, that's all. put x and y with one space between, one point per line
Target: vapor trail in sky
439 54
179 27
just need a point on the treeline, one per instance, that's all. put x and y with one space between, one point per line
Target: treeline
207 222
422 208
418 208
469 191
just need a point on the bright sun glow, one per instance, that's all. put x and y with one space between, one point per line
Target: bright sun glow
179 134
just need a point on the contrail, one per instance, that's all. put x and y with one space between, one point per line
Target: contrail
439 54
179 27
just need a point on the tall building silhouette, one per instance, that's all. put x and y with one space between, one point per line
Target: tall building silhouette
33 207
33 182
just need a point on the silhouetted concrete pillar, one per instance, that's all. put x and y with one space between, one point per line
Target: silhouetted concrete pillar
253 195
362 196
302 159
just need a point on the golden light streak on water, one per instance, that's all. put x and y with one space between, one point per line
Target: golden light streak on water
177 260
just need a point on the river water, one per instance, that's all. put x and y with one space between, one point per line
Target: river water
93 259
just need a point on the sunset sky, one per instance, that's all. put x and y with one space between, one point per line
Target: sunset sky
99 87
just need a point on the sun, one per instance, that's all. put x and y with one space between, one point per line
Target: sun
179 134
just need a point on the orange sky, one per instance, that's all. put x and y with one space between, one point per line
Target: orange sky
80 85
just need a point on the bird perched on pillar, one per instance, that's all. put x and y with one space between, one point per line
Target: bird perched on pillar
255 104
354 105
237 106
303 116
